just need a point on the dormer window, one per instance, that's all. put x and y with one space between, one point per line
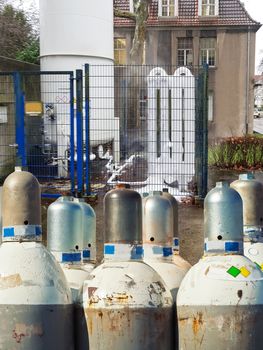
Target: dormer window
208 8
168 8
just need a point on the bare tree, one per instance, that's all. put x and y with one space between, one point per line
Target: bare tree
139 16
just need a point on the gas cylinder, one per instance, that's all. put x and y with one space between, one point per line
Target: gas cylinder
126 303
65 240
220 300
174 203
35 301
251 192
89 232
158 234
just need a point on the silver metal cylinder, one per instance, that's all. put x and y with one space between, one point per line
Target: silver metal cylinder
251 192
123 216
21 200
158 219
64 226
223 215
89 229
174 203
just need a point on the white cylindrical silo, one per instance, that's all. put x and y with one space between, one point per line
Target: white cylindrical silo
72 34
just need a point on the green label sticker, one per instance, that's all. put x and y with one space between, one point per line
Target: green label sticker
233 271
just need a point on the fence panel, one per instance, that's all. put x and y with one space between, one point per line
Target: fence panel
143 127
8 146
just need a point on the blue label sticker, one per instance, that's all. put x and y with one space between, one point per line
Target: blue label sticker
86 254
38 231
109 249
139 250
231 246
71 257
9 232
167 251
176 241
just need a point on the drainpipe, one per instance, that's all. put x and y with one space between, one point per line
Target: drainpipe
247 82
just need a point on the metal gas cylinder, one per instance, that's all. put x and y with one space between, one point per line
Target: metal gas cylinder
123 217
251 192
220 300
174 203
126 303
65 240
89 231
158 234
36 311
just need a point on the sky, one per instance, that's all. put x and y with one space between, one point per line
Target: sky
254 8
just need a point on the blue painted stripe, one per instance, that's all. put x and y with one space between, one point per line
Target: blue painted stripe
231 246
86 254
157 250
167 251
109 249
71 257
9 232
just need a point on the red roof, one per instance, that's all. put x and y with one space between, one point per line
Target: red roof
231 13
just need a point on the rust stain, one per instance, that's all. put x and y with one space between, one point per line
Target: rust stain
10 281
91 291
23 330
197 322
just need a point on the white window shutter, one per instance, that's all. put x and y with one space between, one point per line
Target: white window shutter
131 6
216 7
199 7
160 8
176 7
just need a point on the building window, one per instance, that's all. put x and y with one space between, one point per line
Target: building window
208 8
120 51
208 51
185 52
168 8
210 106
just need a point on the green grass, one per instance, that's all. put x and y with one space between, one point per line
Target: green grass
237 153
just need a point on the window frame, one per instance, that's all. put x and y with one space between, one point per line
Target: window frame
184 50
120 49
207 50
160 8
200 6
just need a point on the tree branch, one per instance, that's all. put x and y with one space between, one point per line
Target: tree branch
124 14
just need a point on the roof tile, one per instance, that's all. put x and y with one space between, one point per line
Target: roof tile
231 13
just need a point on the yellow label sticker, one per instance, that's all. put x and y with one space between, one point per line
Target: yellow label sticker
244 271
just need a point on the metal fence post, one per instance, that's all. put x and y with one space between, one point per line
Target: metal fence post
72 135
79 97
20 121
87 126
205 133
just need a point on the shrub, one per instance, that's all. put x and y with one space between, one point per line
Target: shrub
237 153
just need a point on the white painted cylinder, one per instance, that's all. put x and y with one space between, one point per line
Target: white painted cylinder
75 30
72 34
